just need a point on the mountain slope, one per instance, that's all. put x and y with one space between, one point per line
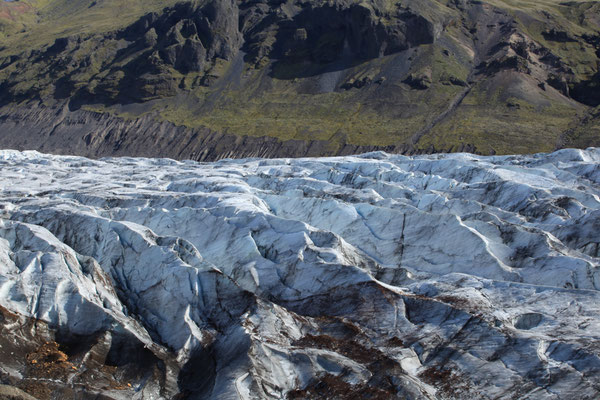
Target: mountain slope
378 276
435 75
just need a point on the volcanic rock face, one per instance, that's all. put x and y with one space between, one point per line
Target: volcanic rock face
324 33
431 277
186 36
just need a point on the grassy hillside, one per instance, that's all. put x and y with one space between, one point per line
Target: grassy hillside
501 75
37 23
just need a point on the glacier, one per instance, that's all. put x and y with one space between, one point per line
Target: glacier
372 276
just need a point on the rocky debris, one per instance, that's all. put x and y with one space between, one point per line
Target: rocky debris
8 392
593 40
35 362
361 81
587 91
332 387
454 80
426 277
558 36
63 44
559 82
421 80
520 53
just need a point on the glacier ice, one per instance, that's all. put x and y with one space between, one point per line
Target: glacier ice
440 276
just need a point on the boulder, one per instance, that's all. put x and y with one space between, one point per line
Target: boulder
420 80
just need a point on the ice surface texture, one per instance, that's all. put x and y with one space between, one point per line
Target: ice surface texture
438 276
